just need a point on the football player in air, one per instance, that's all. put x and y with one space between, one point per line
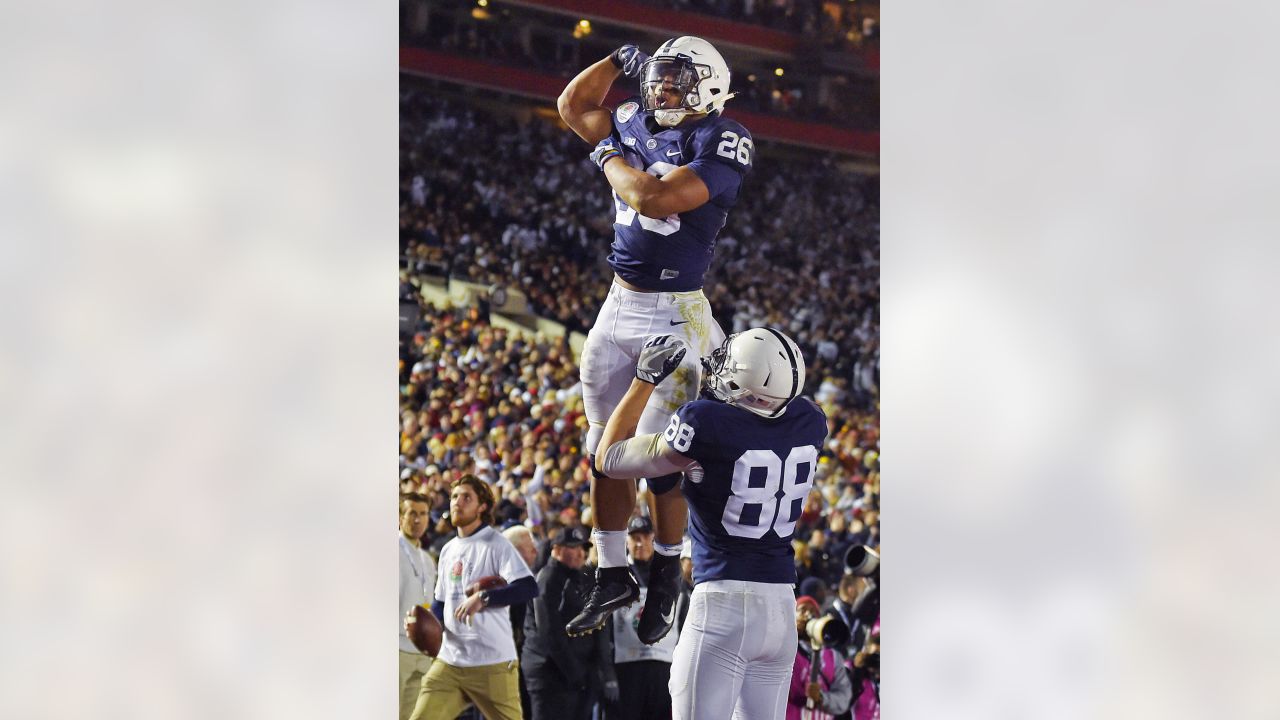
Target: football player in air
675 166
749 448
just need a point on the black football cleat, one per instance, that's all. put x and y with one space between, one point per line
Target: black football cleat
659 614
614 588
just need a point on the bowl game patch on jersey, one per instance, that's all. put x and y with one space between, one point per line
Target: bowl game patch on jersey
626 110
455 572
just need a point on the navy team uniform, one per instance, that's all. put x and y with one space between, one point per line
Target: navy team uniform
739 640
668 257
672 254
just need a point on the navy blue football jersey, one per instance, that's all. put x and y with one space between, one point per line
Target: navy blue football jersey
672 254
756 474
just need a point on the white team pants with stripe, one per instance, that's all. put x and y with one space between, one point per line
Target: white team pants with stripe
613 346
735 653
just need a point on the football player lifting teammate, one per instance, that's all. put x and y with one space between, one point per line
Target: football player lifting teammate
750 447
675 165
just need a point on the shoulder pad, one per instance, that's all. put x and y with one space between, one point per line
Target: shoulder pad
720 123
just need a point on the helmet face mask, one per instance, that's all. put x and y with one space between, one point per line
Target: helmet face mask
671 83
686 76
759 370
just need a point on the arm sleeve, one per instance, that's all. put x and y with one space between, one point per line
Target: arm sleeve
837 698
437 609
521 591
642 456
550 623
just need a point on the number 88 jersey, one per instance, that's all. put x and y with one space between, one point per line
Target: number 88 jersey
756 474
672 254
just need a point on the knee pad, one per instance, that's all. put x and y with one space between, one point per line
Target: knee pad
663 485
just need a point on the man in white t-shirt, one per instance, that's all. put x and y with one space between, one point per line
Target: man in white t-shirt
477 658
417 582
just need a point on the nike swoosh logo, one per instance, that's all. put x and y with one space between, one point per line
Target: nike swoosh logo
674 323
672 152
670 615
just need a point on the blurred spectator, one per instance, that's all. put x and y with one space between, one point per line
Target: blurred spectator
417 584
866 679
561 671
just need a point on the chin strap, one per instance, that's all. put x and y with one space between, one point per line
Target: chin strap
669 118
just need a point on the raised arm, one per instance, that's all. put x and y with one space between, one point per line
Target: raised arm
581 104
621 454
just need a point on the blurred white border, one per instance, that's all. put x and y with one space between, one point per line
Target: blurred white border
1080 345
197 261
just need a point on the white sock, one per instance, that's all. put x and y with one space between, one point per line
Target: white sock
668 550
611 547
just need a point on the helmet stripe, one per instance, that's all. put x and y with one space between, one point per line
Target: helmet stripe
791 357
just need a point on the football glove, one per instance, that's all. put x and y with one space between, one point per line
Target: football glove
628 59
604 152
660 357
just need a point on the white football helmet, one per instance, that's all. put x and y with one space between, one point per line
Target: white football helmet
685 76
760 370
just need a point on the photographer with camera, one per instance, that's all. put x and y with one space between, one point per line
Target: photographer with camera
820 684
866 677
858 605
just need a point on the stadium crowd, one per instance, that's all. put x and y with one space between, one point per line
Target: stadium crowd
545 228
530 212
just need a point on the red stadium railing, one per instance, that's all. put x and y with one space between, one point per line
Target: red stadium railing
541 86
756 38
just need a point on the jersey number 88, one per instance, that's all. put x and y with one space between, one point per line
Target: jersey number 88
779 513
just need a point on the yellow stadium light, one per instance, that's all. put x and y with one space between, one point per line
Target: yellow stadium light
777 71
583 28
584 24
482 3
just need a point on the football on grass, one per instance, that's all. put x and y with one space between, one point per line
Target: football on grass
488 582
425 630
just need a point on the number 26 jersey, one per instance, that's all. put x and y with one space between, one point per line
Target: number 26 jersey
755 475
672 254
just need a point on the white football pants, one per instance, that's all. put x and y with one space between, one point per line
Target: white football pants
609 356
735 653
